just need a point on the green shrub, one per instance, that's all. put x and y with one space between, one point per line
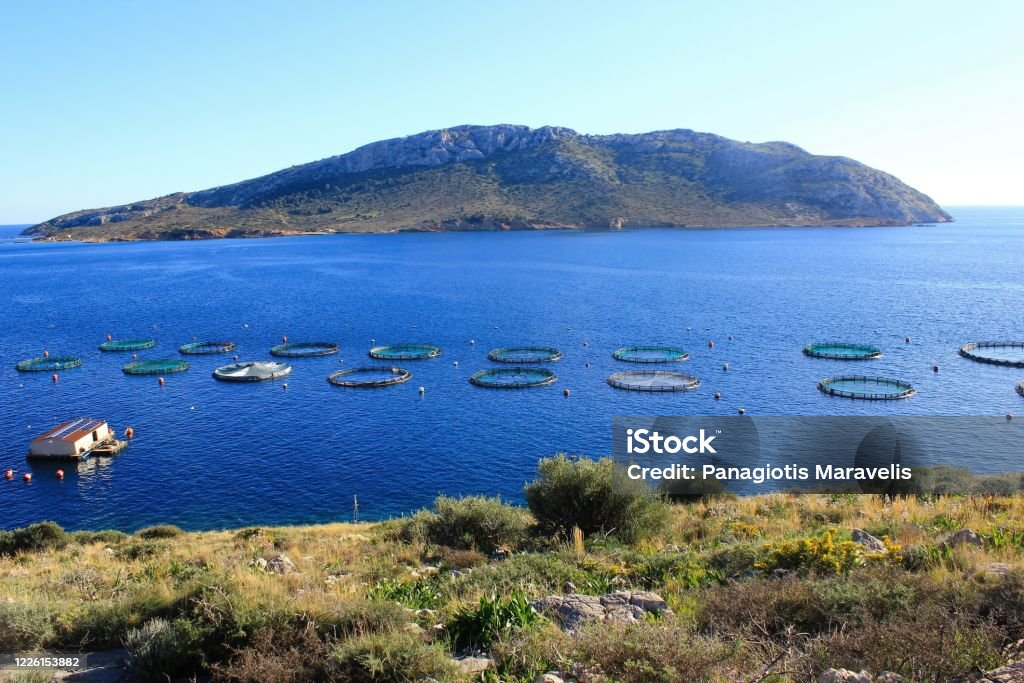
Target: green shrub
475 523
107 536
39 536
160 531
479 626
591 495
422 594
163 650
396 657
24 626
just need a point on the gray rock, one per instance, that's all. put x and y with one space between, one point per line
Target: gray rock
844 676
109 666
991 572
963 537
1014 651
473 664
889 677
280 564
573 610
873 544
1011 673
259 564
550 677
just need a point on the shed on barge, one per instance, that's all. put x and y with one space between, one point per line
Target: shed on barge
75 440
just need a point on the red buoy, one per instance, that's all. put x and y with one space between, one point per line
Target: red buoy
9 474
27 476
236 357
46 354
711 344
284 339
134 356
60 474
565 392
54 377
161 380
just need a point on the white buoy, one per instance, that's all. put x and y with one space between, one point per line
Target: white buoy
455 363
725 366
422 390
285 385
472 341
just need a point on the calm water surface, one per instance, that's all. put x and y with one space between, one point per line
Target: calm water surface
208 454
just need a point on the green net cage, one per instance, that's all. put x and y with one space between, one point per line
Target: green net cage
653 380
202 348
513 378
369 377
49 364
304 349
650 354
405 351
842 351
525 354
1008 353
158 366
867 388
127 345
1020 388
252 371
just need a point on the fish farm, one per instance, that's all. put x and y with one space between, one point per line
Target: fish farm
1020 388
653 380
405 352
155 367
304 349
48 364
842 351
1008 353
866 388
127 345
252 371
525 354
369 377
206 348
513 378
650 354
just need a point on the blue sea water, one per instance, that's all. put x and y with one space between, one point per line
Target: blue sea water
210 455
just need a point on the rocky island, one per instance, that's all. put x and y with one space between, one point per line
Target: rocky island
510 177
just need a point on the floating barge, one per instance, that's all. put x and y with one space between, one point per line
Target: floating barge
76 440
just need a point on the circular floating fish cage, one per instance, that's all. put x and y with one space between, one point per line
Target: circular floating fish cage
650 354
513 378
525 354
304 349
653 380
369 377
48 364
842 351
1009 353
252 371
155 367
204 348
405 352
1020 388
128 345
866 388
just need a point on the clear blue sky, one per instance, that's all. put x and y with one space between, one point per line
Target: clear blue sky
108 102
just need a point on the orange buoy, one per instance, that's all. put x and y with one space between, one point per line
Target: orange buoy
161 381
9 474
27 476
54 377
565 392
129 432
711 344
60 474
46 354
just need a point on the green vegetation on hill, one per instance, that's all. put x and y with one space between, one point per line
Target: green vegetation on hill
773 588
513 177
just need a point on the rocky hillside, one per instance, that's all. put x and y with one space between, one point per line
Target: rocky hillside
513 177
